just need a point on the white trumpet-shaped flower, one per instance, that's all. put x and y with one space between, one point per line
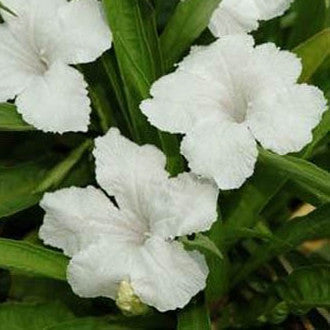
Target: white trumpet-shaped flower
226 96
37 45
242 16
132 242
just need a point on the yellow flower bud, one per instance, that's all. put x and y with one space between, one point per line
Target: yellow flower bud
128 302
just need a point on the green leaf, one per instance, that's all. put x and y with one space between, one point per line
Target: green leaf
251 233
299 170
241 208
286 238
81 175
99 94
164 10
135 43
32 316
17 184
313 52
306 288
57 174
249 315
310 19
320 132
307 193
202 243
189 20
29 258
218 279
140 62
11 120
26 288
90 323
194 317
151 321
20 182
111 69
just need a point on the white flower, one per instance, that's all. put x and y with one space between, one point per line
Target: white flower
36 48
226 96
133 242
242 16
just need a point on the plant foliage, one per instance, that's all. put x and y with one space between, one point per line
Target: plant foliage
266 266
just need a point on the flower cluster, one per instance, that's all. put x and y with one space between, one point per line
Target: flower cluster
225 98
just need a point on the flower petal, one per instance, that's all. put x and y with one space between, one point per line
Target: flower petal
76 217
168 276
124 169
282 120
83 33
56 101
190 98
284 64
211 62
269 9
242 16
225 151
99 269
162 274
234 17
17 65
40 9
187 206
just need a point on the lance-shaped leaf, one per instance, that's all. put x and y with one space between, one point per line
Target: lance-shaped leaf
98 90
138 54
33 316
110 65
313 52
202 243
194 317
299 170
136 47
32 259
310 19
286 238
17 184
306 288
189 20
241 209
56 175
319 134
22 184
11 120
88 323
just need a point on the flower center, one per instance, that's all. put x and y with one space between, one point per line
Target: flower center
241 106
236 102
43 61
146 235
